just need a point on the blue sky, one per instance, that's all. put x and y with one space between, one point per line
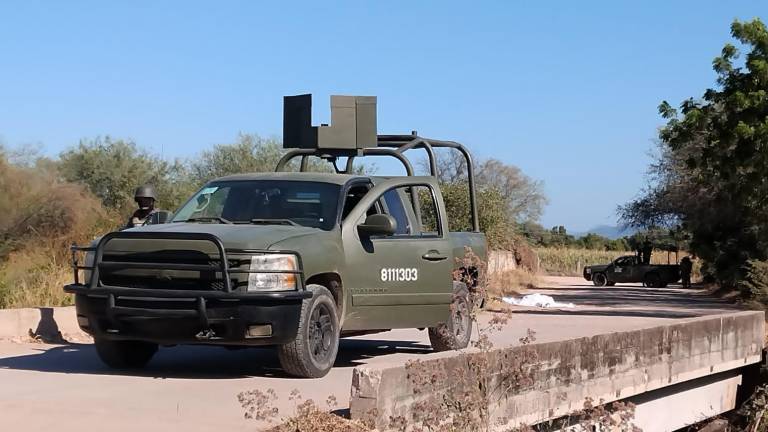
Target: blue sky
565 90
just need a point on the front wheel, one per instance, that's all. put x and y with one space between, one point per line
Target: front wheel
313 352
125 354
456 332
599 279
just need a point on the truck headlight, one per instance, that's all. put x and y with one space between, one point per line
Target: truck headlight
588 270
272 281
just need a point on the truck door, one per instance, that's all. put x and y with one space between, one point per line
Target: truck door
402 280
623 269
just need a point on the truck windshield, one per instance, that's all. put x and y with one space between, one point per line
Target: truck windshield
311 204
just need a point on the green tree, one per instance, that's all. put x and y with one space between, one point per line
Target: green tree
711 176
113 168
525 199
249 153
494 219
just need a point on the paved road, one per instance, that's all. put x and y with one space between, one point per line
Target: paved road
65 388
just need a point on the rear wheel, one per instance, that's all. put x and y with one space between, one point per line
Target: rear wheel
599 279
125 354
456 332
653 280
313 352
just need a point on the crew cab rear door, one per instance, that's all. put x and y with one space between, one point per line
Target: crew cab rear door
402 280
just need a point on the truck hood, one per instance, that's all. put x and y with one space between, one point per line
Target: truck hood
598 268
236 236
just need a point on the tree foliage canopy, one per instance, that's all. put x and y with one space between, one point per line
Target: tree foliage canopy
505 196
711 175
249 153
113 168
524 199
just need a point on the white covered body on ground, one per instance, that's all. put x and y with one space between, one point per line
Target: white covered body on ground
536 300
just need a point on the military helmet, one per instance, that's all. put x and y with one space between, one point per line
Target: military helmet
145 191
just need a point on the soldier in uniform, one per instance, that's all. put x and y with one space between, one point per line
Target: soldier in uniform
686 267
145 198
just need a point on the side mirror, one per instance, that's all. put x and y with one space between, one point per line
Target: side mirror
378 224
159 217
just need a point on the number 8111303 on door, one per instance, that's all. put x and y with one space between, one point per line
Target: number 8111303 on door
399 274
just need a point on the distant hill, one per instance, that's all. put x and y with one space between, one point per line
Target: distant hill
609 231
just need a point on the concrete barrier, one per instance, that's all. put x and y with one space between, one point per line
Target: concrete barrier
564 374
48 323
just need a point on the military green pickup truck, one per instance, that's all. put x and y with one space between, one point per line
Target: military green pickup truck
629 269
293 260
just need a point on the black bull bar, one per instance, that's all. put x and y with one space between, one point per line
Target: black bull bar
94 287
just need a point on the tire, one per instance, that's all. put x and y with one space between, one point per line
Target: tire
652 280
125 354
611 284
599 279
313 352
457 331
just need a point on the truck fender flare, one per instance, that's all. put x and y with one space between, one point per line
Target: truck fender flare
332 281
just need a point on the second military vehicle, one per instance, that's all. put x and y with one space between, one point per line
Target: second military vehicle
293 260
630 269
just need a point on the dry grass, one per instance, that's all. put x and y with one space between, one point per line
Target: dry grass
319 421
34 278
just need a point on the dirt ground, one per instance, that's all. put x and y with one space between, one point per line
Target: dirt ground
66 388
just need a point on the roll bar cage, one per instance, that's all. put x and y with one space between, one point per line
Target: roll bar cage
390 145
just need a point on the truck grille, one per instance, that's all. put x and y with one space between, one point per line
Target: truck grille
165 279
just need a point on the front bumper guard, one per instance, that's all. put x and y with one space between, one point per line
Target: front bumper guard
94 287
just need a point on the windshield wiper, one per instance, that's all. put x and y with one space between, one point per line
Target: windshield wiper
209 219
273 222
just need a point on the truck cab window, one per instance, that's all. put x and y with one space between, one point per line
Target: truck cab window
354 195
395 209
421 206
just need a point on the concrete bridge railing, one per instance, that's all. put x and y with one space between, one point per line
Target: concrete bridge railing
564 374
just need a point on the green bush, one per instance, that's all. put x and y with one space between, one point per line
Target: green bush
754 282
112 169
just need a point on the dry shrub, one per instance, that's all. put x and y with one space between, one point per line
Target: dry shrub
313 419
42 217
526 256
307 417
511 283
40 211
617 416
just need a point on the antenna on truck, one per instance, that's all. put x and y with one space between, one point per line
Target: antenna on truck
353 133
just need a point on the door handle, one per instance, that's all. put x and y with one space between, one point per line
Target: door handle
434 255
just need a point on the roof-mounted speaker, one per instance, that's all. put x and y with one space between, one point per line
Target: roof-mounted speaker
353 123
